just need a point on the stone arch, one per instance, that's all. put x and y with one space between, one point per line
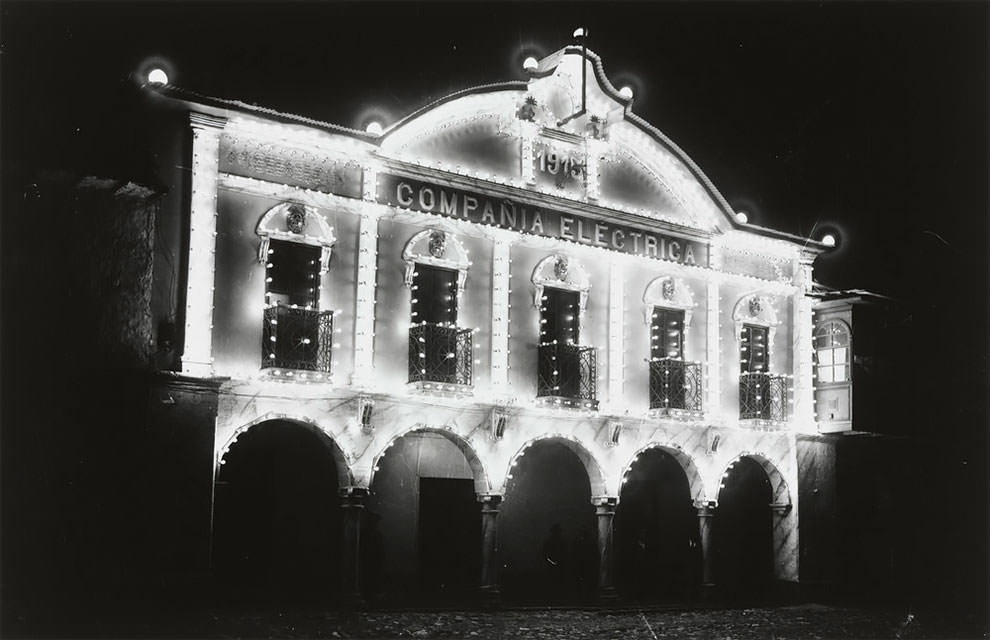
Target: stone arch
481 482
345 477
780 493
695 480
592 467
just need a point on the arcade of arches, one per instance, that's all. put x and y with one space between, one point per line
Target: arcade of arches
287 524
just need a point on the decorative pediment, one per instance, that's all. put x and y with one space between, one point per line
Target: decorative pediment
758 309
438 248
670 292
296 222
563 272
568 137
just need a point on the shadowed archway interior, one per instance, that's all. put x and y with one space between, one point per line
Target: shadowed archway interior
277 516
657 551
421 536
743 534
547 528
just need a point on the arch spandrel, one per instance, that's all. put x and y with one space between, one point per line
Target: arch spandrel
694 477
345 476
780 493
596 474
479 472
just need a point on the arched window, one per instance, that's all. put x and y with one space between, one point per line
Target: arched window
832 352
297 335
440 354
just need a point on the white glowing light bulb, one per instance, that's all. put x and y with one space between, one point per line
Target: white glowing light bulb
157 76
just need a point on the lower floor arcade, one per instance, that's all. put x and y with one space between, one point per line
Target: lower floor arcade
290 522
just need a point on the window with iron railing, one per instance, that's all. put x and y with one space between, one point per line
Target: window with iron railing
296 334
674 383
762 395
566 371
439 351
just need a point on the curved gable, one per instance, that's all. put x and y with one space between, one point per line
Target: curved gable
546 137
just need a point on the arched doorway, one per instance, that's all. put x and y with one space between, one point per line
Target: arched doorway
548 541
657 550
743 532
276 519
421 539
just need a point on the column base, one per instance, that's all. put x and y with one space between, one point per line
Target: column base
707 592
353 601
607 595
490 596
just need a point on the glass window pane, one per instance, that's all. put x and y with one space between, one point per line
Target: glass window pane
840 373
824 374
839 356
825 357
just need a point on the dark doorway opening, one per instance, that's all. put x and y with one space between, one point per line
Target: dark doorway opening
276 524
449 537
548 541
657 550
743 533
422 538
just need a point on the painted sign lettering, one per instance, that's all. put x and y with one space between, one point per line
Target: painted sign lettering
508 214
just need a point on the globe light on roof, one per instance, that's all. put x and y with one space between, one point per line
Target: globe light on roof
829 240
580 32
626 92
157 76
530 64
374 127
741 217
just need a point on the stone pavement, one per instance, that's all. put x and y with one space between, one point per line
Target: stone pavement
811 621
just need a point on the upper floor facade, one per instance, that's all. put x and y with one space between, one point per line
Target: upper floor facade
533 243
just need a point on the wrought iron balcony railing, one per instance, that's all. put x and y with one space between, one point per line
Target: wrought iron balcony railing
441 354
762 396
567 375
297 338
675 385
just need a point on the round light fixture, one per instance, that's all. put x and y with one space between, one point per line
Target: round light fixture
829 240
374 127
157 76
741 217
626 92
530 64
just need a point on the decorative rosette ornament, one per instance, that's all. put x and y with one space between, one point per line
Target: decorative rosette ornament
295 218
669 289
527 110
755 306
438 244
560 267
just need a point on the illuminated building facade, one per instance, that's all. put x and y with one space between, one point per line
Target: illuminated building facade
518 338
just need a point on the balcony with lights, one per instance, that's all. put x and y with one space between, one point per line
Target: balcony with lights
675 389
297 343
763 399
567 376
440 359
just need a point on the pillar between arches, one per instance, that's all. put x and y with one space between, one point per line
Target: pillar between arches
785 546
352 505
706 513
605 512
490 503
